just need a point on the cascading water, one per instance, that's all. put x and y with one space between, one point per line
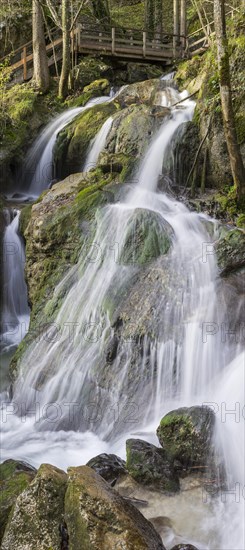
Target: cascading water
97 145
39 163
61 401
15 311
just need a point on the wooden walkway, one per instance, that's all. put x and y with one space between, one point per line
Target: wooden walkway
123 44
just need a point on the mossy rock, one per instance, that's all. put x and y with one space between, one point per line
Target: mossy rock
150 466
230 251
35 519
73 142
98 87
116 163
15 477
90 69
98 517
148 237
186 435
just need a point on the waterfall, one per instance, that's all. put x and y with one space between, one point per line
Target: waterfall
39 163
64 411
97 145
15 311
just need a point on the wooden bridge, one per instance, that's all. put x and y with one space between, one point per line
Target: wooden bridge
129 44
119 43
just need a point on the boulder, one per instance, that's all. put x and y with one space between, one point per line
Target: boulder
36 518
15 477
151 466
148 237
97 517
89 70
73 141
186 434
110 467
230 251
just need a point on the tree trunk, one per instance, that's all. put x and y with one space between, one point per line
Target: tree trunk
149 15
66 58
40 60
237 167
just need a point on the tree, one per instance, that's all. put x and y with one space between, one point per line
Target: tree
66 23
40 60
237 167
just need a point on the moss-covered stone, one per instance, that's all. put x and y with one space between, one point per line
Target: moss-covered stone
186 434
151 466
97 517
38 512
148 237
14 478
73 142
230 251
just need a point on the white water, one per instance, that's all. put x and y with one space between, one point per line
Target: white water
59 387
15 311
39 166
97 146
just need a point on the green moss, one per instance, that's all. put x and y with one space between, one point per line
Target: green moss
25 218
240 127
13 483
240 222
121 15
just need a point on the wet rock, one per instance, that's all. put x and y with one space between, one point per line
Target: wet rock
73 141
230 251
38 511
186 434
148 237
131 131
184 547
110 467
151 466
15 477
97 517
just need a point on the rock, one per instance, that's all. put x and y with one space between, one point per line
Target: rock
150 466
116 163
184 547
148 237
98 87
142 71
97 517
37 514
147 92
15 477
110 467
73 141
186 434
131 130
90 69
230 251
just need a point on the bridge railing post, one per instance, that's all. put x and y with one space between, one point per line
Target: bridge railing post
144 43
113 40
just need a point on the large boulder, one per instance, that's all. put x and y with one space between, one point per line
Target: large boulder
110 467
151 466
97 517
15 477
186 434
230 251
148 237
35 521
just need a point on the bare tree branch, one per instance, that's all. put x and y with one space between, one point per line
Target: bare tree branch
83 3
54 14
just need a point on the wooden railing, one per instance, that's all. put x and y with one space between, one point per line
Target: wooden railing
116 42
